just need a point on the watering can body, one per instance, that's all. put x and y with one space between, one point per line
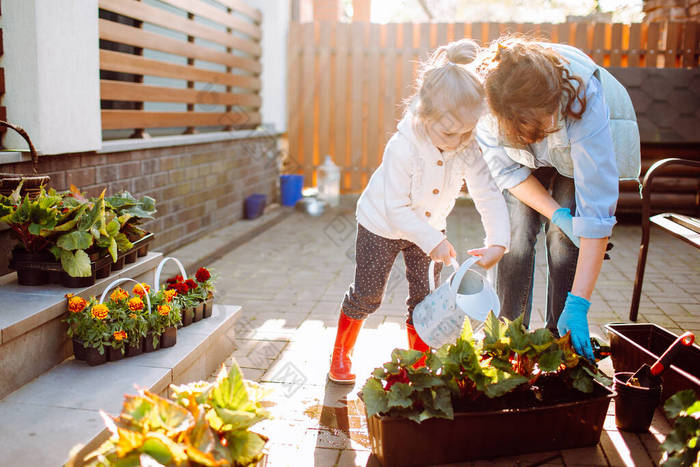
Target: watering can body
439 318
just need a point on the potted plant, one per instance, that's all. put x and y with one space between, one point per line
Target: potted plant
206 282
164 319
203 424
682 445
187 301
88 326
131 212
515 391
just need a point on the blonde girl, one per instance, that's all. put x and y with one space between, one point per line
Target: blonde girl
561 132
405 205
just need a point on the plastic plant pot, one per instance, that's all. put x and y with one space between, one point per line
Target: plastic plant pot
198 312
208 307
114 355
290 188
169 337
78 350
634 405
148 345
254 205
132 351
94 358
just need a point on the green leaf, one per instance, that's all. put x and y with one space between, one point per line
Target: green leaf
245 446
581 380
503 383
492 329
541 339
75 240
113 228
76 264
679 403
112 248
237 419
229 392
551 359
163 449
467 333
399 396
375 398
405 358
425 380
123 243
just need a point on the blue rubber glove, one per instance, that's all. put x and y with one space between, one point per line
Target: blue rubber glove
574 318
562 219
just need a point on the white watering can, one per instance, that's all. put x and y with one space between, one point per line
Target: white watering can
439 318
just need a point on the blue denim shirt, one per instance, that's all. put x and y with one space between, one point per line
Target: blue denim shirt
595 167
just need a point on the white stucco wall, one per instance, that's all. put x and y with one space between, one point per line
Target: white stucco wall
275 28
51 63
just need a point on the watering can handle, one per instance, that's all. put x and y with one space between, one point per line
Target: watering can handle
459 273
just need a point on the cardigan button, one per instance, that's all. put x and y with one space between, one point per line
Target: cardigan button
436 191
427 213
440 163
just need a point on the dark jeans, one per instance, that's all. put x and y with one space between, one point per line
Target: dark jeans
515 273
374 258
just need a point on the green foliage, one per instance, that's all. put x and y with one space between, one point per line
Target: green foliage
32 220
203 424
682 445
508 357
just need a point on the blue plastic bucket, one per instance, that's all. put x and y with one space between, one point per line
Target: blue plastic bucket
290 187
254 205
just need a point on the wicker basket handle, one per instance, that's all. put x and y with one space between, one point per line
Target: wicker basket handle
23 134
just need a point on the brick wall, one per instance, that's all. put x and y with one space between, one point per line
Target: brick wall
197 187
673 10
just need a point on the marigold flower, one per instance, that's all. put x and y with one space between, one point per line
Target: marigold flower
180 287
169 295
191 284
76 304
172 280
133 315
163 310
202 275
100 311
136 304
118 295
142 289
119 335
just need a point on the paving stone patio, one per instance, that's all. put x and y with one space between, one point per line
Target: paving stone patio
291 278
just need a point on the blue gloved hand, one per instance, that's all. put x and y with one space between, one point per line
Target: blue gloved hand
574 318
562 219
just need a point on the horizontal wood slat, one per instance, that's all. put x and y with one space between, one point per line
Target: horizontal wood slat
217 15
120 119
127 63
243 7
150 14
136 37
123 91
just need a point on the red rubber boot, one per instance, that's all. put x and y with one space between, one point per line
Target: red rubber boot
416 343
341 366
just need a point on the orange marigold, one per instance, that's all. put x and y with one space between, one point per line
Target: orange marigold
119 294
76 304
169 295
119 335
100 311
163 310
136 304
142 289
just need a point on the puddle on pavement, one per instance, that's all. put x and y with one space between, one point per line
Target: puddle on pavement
342 419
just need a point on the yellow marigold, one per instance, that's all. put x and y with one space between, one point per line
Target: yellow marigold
136 304
163 310
133 316
119 294
142 289
169 295
100 311
119 335
76 304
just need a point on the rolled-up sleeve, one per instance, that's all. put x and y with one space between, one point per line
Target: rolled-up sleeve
595 167
505 171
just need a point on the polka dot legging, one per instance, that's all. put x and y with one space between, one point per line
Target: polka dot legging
374 258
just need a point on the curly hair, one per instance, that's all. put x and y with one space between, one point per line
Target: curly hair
525 83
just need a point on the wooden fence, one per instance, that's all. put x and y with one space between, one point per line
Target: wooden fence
209 53
347 81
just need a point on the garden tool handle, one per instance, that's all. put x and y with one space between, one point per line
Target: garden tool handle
121 281
687 339
431 272
23 134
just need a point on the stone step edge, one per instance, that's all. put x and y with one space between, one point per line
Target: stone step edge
56 297
67 388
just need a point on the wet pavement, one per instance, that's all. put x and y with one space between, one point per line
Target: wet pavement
291 279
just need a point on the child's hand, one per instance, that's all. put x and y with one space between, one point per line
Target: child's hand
489 255
443 252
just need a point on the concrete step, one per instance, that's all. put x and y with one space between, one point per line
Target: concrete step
32 335
43 420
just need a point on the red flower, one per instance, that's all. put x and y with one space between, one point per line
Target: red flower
179 287
175 279
401 377
202 275
191 284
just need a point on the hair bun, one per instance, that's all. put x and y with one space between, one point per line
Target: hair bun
462 52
